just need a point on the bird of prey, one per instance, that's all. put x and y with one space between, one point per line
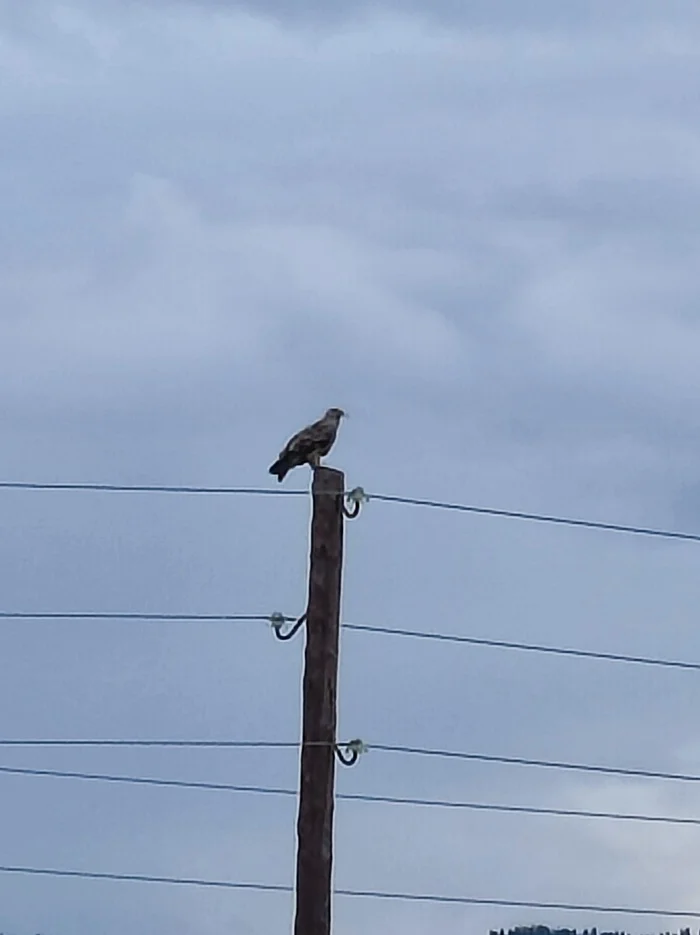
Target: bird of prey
310 445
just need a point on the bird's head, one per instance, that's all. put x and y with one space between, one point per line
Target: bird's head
336 414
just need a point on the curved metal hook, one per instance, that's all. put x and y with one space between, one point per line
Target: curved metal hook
353 512
349 753
278 621
349 760
354 498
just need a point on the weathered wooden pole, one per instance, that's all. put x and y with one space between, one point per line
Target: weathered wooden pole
316 791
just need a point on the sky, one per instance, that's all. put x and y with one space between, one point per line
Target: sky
472 225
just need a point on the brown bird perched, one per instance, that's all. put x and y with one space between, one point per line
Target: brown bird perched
310 445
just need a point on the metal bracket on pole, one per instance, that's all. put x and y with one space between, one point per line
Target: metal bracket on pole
279 621
354 500
349 753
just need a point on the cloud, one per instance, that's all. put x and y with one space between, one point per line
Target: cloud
545 16
184 291
473 226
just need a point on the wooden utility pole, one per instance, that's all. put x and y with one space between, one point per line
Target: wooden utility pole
316 792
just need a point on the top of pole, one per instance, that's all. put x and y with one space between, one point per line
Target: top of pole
328 480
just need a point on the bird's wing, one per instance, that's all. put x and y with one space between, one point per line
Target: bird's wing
309 439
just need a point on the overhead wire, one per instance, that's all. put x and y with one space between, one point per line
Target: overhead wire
539 517
382 498
525 647
106 742
632 772
352 796
415 634
154 488
387 895
136 615
402 632
563 765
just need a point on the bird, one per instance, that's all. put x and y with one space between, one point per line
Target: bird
309 445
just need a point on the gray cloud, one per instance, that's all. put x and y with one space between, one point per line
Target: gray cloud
481 242
545 16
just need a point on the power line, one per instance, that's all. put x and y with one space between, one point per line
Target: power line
540 517
369 628
525 647
385 498
136 615
545 764
352 796
146 878
517 809
156 488
565 766
148 781
352 893
207 744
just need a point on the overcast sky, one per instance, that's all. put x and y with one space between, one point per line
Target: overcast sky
473 224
